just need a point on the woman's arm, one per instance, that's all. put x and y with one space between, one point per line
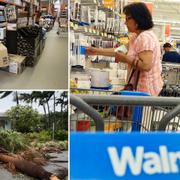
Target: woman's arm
100 51
144 61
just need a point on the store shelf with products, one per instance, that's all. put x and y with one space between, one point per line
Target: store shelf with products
94 25
17 3
21 37
93 21
30 49
63 19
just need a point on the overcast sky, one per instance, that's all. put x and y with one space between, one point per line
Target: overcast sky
7 103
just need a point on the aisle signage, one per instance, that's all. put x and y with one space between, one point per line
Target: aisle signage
108 3
127 156
167 30
149 6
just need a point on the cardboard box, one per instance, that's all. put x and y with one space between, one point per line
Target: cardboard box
4 60
17 63
11 26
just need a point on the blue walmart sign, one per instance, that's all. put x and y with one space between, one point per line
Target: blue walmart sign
124 156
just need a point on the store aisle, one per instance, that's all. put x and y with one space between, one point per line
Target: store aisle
50 72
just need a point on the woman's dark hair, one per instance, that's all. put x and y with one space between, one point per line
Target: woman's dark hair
141 14
167 45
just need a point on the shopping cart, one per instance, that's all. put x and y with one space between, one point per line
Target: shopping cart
100 113
96 154
171 73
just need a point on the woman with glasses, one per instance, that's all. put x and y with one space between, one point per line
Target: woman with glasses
144 55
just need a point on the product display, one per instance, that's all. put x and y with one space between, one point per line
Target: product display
28 43
63 19
21 35
93 24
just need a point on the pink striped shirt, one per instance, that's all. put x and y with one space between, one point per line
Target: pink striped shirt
149 81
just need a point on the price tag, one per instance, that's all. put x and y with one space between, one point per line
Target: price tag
85 29
76 26
72 25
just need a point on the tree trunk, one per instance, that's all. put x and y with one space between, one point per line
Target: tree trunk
62 111
17 99
48 113
45 114
27 167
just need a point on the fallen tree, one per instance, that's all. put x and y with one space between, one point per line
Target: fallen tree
26 167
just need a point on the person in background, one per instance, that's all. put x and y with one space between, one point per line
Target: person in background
143 54
170 54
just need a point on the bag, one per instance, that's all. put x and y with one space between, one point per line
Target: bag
125 112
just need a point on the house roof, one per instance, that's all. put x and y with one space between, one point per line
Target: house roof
3 114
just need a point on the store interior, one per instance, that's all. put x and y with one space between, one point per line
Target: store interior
34 43
102 24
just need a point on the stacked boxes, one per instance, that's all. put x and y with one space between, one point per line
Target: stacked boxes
16 64
29 43
4 60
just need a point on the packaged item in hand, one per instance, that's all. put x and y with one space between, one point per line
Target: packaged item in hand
121 48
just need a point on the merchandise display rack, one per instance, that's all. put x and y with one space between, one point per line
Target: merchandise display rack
22 37
101 33
63 19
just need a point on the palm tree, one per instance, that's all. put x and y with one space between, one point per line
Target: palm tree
63 102
7 93
43 98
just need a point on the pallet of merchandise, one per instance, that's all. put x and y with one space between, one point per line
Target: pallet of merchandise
17 63
32 59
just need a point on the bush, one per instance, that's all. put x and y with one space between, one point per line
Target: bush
12 141
42 136
61 135
62 145
24 119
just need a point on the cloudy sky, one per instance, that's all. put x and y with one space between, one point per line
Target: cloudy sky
7 103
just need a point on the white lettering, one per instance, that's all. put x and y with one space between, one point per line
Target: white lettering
164 159
152 165
173 161
119 164
150 162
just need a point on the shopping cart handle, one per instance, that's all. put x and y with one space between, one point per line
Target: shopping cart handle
167 118
83 106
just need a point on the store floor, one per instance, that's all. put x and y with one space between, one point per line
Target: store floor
50 72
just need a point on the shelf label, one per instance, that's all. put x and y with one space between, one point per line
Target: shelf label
76 27
85 29
108 3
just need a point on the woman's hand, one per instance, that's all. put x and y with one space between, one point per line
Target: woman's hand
91 51
120 57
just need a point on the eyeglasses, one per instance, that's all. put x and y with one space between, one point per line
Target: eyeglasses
128 18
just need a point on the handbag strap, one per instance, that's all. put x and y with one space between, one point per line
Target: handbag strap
131 75
137 78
